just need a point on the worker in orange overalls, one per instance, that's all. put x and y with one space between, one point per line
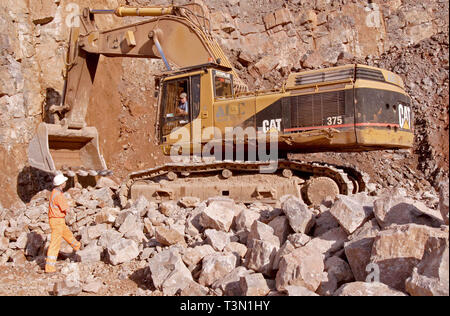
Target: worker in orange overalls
57 211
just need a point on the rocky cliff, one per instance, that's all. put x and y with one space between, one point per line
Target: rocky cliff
264 39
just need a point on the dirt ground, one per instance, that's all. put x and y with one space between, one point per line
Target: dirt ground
29 279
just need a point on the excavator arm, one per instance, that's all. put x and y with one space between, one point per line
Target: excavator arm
178 35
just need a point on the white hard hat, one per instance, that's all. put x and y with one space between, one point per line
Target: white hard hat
59 179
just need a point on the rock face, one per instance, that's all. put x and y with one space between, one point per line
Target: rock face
398 250
443 200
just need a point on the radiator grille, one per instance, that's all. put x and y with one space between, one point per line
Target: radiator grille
314 109
369 74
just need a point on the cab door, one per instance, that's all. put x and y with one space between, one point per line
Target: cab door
174 124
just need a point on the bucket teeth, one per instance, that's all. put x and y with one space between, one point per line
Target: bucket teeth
82 173
93 173
71 174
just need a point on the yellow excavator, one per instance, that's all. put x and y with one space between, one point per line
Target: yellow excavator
226 141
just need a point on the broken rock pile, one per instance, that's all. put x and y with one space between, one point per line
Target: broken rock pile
356 245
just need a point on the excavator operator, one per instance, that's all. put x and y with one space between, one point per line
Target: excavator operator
183 106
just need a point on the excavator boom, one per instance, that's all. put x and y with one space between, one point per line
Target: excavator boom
177 35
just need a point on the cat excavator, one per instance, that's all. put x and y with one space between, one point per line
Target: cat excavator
229 142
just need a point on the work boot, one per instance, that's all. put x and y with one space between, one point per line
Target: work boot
78 247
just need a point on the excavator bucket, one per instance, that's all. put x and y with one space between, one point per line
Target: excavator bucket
70 151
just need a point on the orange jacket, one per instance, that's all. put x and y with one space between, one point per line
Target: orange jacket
58 204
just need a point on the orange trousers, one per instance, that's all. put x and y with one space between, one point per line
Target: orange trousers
59 231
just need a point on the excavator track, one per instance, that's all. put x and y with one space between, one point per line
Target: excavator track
243 181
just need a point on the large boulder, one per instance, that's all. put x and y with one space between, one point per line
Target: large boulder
95 231
304 266
396 251
400 210
194 289
261 231
254 285
230 283
217 239
168 272
359 249
193 256
352 211
431 276
168 237
104 196
216 266
324 222
237 249
35 243
367 289
301 218
169 208
337 272
218 215
107 216
298 239
328 243
90 254
281 228
70 285
260 256
122 251
245 220
287 248
108 238
67 288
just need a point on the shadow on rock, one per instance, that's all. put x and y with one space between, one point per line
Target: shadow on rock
31 181
142 278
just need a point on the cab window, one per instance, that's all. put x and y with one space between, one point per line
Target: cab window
175 110
223 83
